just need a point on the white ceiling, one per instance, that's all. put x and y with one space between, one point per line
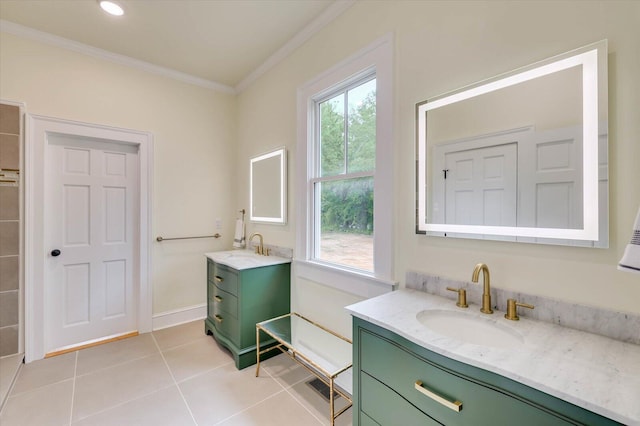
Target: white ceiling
221 41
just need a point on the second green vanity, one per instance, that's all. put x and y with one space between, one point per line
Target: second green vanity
407 374
242 290
398 382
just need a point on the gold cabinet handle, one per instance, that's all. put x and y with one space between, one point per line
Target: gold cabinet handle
218 279
217 298
219 318
455 406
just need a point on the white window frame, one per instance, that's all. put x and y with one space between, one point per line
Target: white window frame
377 59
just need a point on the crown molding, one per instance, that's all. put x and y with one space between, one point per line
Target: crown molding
331 13
43 37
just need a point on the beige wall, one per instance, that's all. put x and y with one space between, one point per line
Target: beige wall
441 46
193 130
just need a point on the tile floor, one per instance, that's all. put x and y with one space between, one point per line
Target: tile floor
176 376
9 365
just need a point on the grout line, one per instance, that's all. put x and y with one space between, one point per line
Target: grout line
191 342
250 407
12 385
73 388
120 404
174 380
75 373
157 351
266 399
202 373
41 387
118 364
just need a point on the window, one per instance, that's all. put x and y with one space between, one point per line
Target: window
345 149
345 174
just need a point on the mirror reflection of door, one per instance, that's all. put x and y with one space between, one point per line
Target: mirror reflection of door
481 186
557 112
551 183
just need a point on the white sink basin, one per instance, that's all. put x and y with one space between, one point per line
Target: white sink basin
471 328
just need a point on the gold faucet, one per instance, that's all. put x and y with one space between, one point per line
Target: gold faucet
260 248
486 293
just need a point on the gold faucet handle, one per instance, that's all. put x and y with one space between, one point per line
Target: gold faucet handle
512 309
462 296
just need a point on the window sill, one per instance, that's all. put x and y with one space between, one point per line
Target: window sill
360 284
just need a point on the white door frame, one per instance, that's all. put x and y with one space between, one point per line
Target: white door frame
37 128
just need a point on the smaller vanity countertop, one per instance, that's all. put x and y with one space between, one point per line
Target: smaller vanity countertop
597 373
245 259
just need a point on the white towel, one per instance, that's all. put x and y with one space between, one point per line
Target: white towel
631 259
238 238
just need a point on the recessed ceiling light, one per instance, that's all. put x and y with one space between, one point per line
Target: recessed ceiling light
111 8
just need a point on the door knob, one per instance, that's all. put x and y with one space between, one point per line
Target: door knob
55 253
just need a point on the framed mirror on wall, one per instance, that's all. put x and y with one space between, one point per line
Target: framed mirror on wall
268 187
520 157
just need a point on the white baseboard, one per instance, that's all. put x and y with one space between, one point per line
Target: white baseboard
179 316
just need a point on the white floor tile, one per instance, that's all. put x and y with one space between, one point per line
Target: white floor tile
45 406
180 334
109 387
45 372
9 366
130 382
279 410
164 407
195 358
225 391
110 354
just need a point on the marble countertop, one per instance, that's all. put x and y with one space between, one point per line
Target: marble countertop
591 371
245 259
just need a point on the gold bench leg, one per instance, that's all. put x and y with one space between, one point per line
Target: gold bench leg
257 352
331 403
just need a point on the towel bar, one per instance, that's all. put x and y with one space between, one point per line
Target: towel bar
160 239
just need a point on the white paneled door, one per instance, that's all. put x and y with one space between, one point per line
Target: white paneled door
91 240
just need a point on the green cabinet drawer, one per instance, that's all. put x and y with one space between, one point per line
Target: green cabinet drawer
382 406
225 302
480 404
227 325
225 279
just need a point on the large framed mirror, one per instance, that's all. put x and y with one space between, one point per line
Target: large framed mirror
268 187
520 157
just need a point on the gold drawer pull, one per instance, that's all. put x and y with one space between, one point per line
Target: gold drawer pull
217 298
455 406
218 279
218 318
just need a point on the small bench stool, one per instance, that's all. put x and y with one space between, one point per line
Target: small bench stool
323 352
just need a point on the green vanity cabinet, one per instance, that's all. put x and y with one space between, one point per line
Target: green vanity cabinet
393 375
238 299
